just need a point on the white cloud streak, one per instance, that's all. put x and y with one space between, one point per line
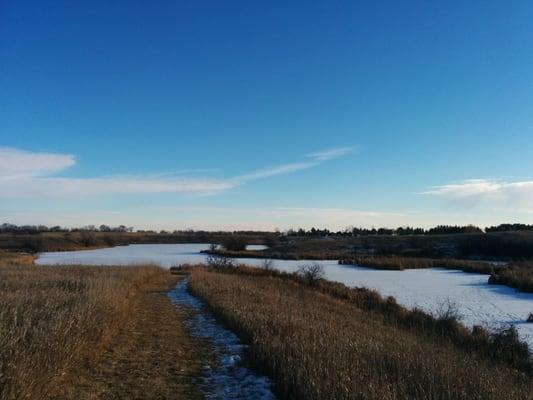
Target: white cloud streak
75 187
273 171
16 163
331 153
25 174
516 196
315 159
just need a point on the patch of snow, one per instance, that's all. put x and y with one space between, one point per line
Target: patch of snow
256 247
228 379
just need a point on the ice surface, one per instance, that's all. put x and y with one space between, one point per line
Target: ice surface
493 306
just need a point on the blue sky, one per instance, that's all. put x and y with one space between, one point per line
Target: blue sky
229 115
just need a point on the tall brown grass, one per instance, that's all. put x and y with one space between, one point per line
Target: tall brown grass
517 275
317 345
401 263
53 318
11 258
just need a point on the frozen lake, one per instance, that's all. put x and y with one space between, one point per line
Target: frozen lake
492 306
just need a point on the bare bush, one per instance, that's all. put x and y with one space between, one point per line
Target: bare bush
267 264
87 239
220 262
311 273
449 311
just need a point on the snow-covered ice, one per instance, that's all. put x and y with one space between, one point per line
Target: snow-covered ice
493 306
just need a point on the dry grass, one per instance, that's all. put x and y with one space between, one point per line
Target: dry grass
58 320
517 275
152 356
319 346
11 258
401 263
284 253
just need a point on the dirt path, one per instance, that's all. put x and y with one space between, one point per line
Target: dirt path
152 357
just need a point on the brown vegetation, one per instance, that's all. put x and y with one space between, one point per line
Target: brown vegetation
327 341
517 275
86 239
11 258
281 253
90 332
234 243
401 263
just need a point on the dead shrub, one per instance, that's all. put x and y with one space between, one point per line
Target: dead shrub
311 273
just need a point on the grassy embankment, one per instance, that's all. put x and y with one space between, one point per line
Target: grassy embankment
92 332
322 340
401 263
517 275
80 240
512 245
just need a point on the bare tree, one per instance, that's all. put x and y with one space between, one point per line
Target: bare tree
311 273
267 264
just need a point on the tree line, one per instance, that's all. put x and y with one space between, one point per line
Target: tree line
31 229
407 230
313 232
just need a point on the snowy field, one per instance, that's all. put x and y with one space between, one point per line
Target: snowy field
492 306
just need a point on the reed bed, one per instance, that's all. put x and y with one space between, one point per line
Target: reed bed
517 275
284 254
317 345
12 258
54 318
401 263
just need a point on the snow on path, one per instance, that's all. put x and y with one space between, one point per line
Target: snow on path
228 379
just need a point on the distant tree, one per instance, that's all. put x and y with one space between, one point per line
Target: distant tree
104 228
234 243
453 229
510 227
87 238
271 240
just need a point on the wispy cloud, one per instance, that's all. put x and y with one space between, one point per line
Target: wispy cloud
313 160
83 187
16 163
29 174
273 171
516 195
331 154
